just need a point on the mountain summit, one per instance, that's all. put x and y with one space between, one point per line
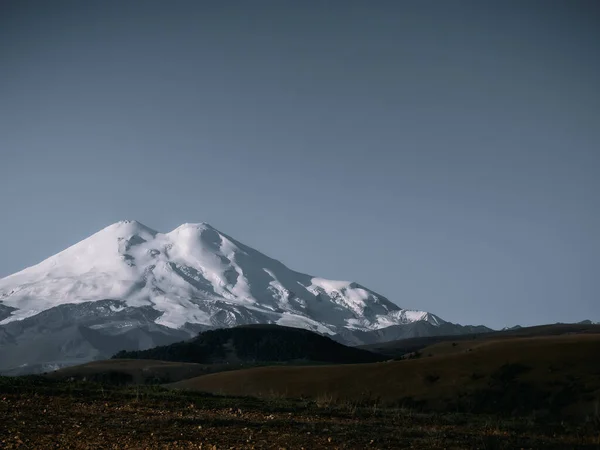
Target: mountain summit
194 274
189 279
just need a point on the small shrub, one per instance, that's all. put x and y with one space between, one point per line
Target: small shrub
509 372
324 400
431 378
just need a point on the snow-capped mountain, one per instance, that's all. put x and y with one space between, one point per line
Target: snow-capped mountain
129 280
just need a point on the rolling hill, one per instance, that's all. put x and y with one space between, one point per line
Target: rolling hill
399 348
136 371
256 344
555 374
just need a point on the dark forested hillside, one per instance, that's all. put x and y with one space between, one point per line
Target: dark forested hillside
256 344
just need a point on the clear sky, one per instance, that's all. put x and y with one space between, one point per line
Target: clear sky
443 153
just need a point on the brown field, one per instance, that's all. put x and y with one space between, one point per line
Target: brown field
137 371
48 414
549 374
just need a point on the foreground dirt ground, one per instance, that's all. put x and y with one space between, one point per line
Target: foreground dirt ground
129 419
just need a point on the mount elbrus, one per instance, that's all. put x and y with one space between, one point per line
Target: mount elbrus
129 287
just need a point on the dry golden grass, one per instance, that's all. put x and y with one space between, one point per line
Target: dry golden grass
395 349
135 371
562 369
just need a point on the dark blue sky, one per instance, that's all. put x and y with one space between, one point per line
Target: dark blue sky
444 154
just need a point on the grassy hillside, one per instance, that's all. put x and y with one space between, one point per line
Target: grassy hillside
256 344
137 371
399 348
551 374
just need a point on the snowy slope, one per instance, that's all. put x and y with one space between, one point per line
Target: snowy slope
197 275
